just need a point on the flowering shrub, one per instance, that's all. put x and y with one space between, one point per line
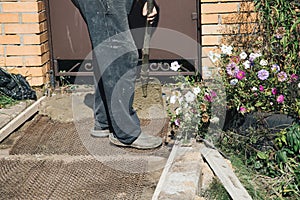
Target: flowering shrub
255 83
189 105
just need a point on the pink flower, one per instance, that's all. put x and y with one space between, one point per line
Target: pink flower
294 77
177 122
282 76
261 88
235 59
240 75
213 94
274 91
243 110
280 99
208 98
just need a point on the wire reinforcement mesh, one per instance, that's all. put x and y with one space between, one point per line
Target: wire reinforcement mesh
56 160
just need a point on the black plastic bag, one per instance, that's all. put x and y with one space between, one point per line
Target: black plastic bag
15 86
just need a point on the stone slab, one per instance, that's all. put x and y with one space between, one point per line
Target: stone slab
182 178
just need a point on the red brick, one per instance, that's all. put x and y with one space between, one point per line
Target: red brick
9 39
21 7
210 19
36 60
36 81
33 17
23 50
219 8
2 47
210 40
9 18
2 61
211 29
14 61
28 71
22 28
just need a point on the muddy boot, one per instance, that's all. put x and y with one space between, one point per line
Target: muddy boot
144 141
100 133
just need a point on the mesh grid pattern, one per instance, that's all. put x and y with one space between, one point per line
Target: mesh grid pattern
80 179
59 160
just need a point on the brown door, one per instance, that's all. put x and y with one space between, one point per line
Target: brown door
180 17
69 39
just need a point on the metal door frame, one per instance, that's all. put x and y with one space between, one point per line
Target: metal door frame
54 72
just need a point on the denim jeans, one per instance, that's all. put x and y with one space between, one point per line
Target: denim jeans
115 60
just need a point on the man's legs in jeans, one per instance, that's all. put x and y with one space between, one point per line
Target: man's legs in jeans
116 56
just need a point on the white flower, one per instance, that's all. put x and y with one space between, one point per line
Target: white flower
180 100
271 103
247 64
226 49
234 81
243 55
263 62
298 85
177 111
196 90
174 66
173 99
214 120
254 89
189 96
252 56
214 57
186 105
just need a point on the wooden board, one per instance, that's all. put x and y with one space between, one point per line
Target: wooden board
20 119
225 174
165 172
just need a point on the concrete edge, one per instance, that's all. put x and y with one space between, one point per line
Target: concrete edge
181 176
20 119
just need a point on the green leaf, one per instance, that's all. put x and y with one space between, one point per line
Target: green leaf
262 155
258 104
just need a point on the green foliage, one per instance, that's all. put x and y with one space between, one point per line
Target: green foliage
278 162
279 47
280 29
216 191
254 82
5 101
284 160
189 106
263 77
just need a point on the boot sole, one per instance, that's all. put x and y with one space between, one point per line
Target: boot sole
100 133
116 142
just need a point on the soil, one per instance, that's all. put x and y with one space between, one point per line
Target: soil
57 140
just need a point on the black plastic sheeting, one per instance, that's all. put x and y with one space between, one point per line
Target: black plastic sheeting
15 86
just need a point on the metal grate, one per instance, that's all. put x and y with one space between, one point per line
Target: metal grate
45 136
59 160
83 178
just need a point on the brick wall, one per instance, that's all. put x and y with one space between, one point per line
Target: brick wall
23 39
23 34
221 21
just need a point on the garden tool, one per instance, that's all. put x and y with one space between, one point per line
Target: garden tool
145 52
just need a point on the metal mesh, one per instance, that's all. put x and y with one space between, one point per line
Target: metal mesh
84 178
57 160
44 136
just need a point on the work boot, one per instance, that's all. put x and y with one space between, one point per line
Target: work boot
100 133
144 141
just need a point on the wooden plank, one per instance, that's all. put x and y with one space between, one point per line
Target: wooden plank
20 119
165 171
225 174
181 176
